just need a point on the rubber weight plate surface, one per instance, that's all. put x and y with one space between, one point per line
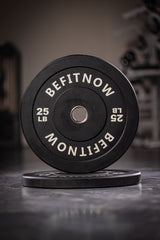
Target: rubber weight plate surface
79 114
103 178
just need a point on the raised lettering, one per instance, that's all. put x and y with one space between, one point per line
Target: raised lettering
96 148
61 147
50 92
62 80
89 150
107 90
103 143
97 82
76 76
69 78
86 78
72 151
56 85
109 137
82 152
51 138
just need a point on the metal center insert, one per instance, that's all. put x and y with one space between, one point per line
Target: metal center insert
79 114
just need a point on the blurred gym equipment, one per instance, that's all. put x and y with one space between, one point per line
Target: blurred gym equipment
141 64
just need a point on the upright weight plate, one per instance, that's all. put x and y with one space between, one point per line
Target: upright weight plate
79 114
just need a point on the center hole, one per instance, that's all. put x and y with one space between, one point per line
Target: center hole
79 114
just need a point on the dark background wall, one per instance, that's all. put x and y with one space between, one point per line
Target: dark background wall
44 30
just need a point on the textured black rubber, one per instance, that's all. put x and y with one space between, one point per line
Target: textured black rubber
100 179
79 114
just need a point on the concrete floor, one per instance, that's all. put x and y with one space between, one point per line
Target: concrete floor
108 213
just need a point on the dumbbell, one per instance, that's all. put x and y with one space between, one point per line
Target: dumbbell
79 115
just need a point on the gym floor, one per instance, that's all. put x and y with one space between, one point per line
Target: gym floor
106 213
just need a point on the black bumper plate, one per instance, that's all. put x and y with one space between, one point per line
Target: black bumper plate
100 179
